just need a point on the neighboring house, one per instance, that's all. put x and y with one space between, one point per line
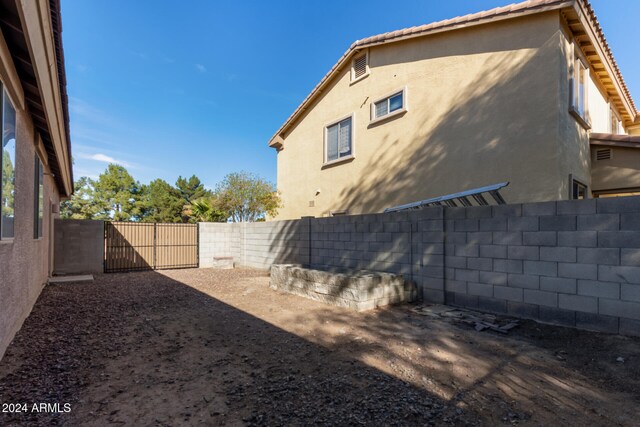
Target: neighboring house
36 153
527 93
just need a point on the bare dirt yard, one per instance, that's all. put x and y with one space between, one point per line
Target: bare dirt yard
207 347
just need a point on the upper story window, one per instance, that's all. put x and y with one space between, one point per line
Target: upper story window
579 90
615 124
8 172
360 67
388 106
339 140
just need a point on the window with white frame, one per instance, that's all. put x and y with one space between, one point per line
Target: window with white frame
615 123
339 140
38 198
389 105
580 85
8 171
360 67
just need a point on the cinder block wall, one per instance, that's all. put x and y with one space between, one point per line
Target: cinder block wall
574 263
218 239
257 245
78 246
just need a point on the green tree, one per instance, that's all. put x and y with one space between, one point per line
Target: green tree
81 205
8 184
118 196
208 210
191 189
161 202
247 197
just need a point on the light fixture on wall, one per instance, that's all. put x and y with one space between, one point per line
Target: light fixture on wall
317 191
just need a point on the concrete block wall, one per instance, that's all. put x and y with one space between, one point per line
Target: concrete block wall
218 239
78 246
407 243
574 263
257 245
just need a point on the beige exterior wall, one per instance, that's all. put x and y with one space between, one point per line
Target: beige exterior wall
599 109
621 172
483 107
25 261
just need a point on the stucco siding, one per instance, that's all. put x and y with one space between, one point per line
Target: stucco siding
599 109
622 171
483 106
24 261
573 142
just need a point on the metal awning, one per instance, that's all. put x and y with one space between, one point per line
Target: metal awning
464 198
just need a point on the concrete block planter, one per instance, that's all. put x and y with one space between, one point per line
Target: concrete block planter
356 289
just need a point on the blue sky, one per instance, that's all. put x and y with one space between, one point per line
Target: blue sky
170 88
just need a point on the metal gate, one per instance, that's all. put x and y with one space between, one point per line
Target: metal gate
138 246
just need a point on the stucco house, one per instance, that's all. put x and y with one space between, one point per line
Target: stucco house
527 93
36 153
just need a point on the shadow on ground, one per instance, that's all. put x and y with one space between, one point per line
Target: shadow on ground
203 347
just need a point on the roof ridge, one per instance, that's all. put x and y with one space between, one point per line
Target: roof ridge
500 10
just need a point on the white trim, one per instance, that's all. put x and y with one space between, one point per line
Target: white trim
404 109
582 117
352 73
339 160
326 162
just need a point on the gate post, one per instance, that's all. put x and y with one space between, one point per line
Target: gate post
155 246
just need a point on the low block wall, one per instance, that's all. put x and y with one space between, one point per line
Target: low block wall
78 246
574 263
356 289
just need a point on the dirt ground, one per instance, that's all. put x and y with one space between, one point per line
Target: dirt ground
207 347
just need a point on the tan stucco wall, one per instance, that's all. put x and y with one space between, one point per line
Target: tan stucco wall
622 171
24 261
573 141
483 108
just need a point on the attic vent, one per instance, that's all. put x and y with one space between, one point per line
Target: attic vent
603 154
359 67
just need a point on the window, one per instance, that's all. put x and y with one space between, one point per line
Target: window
389 106
615 124
38 199
338 140
579 91
360 67
7 190
578 190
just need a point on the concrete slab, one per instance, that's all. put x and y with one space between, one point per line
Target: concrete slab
67 279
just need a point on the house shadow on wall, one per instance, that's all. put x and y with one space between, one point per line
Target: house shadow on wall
490 134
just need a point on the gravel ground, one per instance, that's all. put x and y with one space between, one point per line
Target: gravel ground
207 347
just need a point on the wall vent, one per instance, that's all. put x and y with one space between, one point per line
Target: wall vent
312 203
359 67
603 154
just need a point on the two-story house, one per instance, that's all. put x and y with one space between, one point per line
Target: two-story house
528 93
